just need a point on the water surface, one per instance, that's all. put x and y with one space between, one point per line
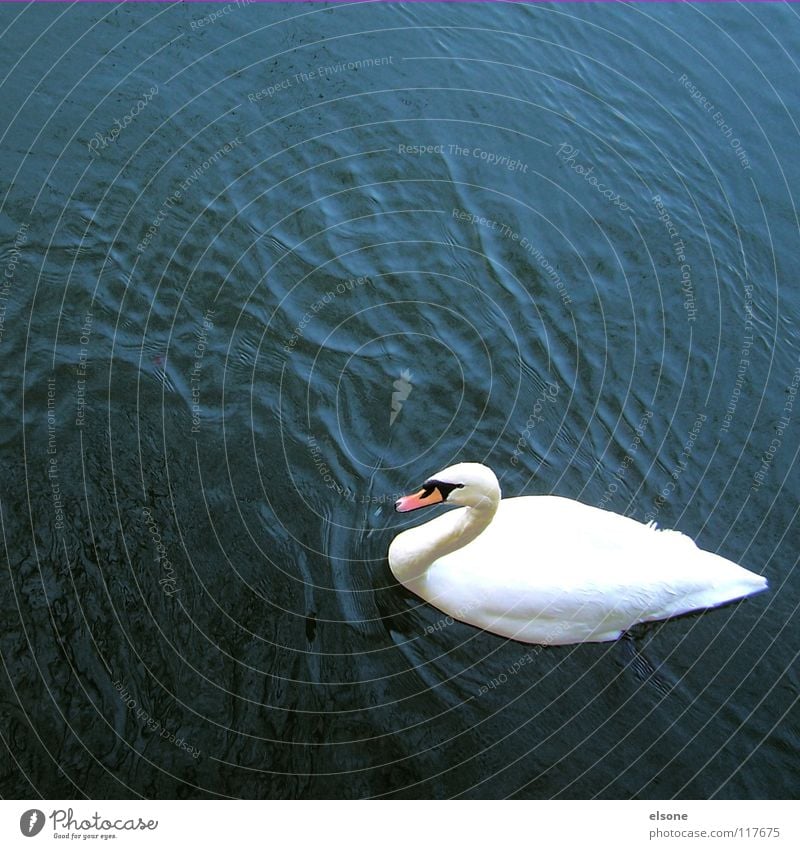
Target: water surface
559 235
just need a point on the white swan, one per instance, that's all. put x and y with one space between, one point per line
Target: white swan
545 569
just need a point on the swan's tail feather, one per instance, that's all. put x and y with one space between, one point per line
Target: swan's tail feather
729 582
728 591
723 581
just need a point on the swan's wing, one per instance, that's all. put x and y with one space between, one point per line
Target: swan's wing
555 559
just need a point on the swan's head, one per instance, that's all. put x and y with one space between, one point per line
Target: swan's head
465 484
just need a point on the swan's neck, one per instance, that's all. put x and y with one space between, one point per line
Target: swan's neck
436 539
471 522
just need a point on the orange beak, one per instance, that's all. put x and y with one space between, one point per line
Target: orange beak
424 498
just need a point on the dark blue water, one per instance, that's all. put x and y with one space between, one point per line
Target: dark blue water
265 267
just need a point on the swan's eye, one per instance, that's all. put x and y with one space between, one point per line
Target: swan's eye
444 488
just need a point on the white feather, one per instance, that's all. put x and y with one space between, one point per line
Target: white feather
545 569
